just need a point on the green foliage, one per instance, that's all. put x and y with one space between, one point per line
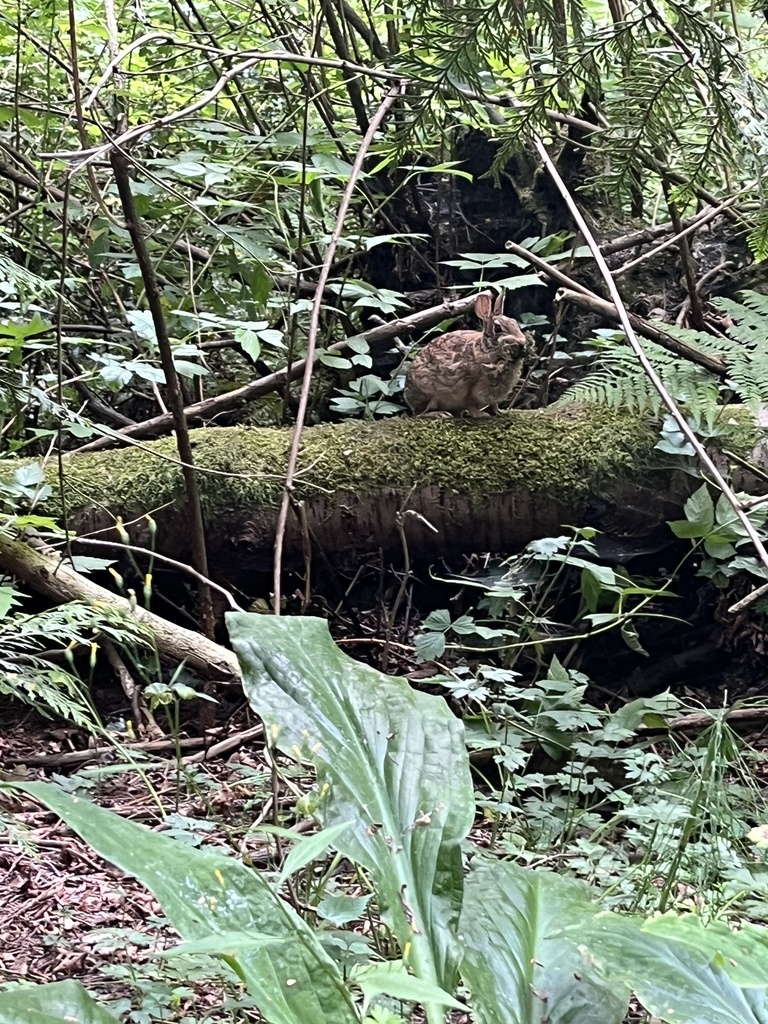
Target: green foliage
241 179
390 788
617 380
26 673
407 833
52 1004
520 957
721 533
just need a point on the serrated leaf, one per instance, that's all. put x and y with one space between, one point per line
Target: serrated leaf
700 508
686 530
718 547
439 619
429 646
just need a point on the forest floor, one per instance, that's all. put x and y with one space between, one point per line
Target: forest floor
65 913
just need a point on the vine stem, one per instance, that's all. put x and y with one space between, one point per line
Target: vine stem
643 359
314 323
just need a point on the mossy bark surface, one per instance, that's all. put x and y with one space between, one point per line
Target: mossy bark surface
483 484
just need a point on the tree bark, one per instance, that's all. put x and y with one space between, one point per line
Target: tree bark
58 581
492 484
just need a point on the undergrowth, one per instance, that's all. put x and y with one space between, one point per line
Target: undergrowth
616 379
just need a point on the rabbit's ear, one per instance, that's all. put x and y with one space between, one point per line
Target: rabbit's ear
498 306
483 308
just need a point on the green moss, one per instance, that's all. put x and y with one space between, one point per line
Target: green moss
562 454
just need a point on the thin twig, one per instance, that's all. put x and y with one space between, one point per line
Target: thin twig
645 362
274 381
314 324
572 291
691 226
173 388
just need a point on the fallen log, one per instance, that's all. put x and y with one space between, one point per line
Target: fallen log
474 485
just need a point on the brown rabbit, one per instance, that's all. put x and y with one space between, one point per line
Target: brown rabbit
468 370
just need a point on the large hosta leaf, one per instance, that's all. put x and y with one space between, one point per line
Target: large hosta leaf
673 981
742 952
518 964
61 1002
203 894
389 760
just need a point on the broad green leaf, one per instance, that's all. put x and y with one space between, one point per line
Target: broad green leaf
61 1002
684 529
189 369
717 546
392 979
388 758
674 982
359 345
205 895
518 964
742 953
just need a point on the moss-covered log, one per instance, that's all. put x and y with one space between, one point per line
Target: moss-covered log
483 485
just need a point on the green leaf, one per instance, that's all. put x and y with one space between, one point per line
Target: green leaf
309 848
742 953
61 1002
392 979
189 369
699 508
517 963
429 646
339 909
440 620
338 362
10 597
717 546
389 759
205 895
673 982
249 342
684 529
359 345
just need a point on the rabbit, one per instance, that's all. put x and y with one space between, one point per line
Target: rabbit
468 370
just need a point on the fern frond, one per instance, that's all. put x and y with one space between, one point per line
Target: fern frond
30 678
748 359
618 381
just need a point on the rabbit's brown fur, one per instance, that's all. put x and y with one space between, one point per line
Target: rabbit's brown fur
468 370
